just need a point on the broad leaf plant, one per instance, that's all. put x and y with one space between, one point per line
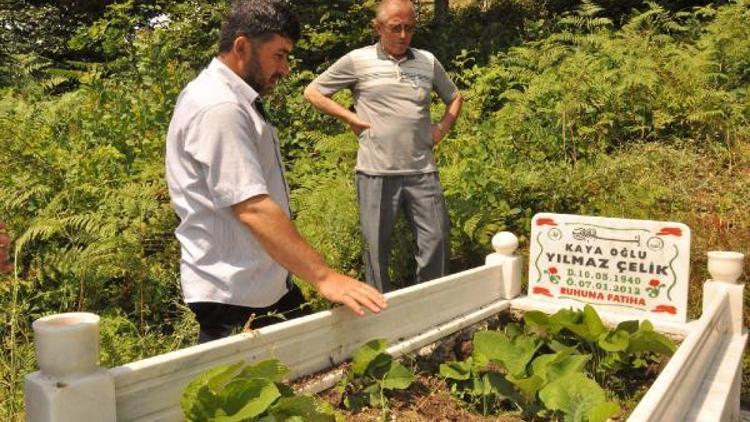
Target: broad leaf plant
554 365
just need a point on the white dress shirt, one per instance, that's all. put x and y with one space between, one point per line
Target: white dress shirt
220 152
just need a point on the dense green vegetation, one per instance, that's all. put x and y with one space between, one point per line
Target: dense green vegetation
566 366
637 112
559 366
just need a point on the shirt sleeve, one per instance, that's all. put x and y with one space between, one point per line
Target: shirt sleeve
224 142
339 76
443 84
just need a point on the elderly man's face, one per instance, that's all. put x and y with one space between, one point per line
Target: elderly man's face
396 27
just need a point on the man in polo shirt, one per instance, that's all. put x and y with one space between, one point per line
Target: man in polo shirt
226 181
391 85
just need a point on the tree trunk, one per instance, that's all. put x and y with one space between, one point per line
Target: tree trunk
441 10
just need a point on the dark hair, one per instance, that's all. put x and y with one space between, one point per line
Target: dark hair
258 19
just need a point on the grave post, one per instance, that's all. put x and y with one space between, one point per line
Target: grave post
505 245
726 268
70 386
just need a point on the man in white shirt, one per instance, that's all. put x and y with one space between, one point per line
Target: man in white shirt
227 185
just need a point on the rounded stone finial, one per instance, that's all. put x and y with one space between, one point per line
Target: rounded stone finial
67 344
505 243
725 266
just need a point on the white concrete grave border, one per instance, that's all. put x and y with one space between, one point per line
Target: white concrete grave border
701 382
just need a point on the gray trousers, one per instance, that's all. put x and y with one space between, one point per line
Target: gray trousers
421 196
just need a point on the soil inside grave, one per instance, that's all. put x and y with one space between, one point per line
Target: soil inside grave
429 397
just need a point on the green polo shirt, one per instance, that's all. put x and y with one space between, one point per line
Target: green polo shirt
394 97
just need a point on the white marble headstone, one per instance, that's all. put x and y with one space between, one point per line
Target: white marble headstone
627 266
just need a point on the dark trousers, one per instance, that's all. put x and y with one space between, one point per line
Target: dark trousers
421 197
219 320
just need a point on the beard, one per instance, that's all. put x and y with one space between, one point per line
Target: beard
255 78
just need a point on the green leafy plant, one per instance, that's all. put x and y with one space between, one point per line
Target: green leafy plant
622 351
242 392
554 365
373 372
579 398
475 384
507 369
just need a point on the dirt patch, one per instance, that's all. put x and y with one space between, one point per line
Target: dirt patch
428 399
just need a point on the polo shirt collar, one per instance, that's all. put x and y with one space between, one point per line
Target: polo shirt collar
385 56
238 85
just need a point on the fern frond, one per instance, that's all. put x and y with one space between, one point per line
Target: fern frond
40 230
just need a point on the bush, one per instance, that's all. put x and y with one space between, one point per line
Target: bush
643 117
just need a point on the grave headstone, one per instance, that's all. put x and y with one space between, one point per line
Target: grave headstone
619 265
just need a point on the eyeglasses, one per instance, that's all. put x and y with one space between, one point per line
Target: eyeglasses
397 29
